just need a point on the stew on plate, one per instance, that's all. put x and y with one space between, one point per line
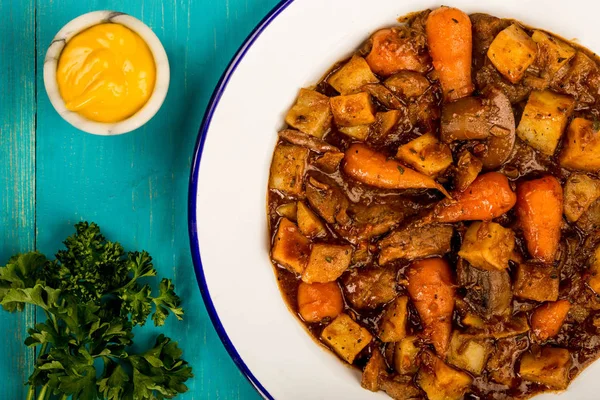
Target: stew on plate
434 207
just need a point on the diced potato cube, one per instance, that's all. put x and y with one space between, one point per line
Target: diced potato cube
488 246
346 337
512 52
327 262
330 161
581 148
549 366
426 154
287 169
468 353
353 109
468 168
580 192
287 210
594 279
405 355
440 381
544 120
536 282
385 121
352 76
311 114
373 370
392 327
360 132
554 53
290 247
309 223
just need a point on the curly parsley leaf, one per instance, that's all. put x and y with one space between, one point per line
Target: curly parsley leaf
160 372
93 298
115 381
43 297
166 301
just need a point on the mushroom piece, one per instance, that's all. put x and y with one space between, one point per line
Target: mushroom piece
489 117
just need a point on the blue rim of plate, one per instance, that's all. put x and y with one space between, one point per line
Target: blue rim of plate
193 192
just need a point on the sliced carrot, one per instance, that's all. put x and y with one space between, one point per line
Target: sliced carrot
432 292
450 42
539 209
373 168
548 318
394 51
317 301
488 197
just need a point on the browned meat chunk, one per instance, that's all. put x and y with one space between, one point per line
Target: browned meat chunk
400 388
580 80
384 96
329 162
487 117
590 220
305 140
407 84
370 287
370 221
329 201
468 168
502 362
416 242
488 76
488 292
485 29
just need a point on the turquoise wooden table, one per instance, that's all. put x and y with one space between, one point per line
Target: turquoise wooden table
134 186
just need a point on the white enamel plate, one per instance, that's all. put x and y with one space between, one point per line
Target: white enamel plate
291 48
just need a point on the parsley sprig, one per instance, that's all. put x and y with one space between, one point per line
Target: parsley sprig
92 297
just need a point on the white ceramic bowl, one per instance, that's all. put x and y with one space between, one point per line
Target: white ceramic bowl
82 23
291 48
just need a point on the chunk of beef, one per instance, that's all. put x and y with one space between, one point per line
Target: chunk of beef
488 292
501 364
370 221
369 288
329 201
488 76
415 242
485 29
305 140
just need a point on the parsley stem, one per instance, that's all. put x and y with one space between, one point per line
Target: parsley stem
30 393
43 349
44 392
53 319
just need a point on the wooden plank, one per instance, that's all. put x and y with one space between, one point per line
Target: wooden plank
135 186
17 176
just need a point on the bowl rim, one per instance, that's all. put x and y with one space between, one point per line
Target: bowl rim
193 191
161 62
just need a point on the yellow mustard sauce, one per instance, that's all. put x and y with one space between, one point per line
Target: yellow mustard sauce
106 73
